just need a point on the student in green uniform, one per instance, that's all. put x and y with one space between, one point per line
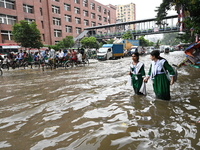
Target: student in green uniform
137 73
161 83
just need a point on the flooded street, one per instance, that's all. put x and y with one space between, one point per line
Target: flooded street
91 108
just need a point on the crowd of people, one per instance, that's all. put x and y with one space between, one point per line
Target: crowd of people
44 56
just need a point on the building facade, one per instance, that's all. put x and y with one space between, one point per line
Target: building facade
55 19
125 13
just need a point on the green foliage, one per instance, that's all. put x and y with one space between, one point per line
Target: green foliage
55 47
191 11
127 35
89 42
27 35
157 44
144 42
110 41
171 39
100 44
66 42
151 43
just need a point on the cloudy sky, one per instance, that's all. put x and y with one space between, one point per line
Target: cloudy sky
144 8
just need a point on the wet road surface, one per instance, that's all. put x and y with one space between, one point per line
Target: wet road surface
91 108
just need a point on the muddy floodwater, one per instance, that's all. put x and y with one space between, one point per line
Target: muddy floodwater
91 108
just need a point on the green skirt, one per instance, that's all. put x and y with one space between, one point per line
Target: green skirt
161 86
137 83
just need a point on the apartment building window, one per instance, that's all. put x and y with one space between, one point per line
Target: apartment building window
105 19
93 24
77 1
86 22
56 0
43 37
68 18
99 24
6 35
67 7
78 20
92 6
104 11
99 8
78 30
85 13
77 10
92 15
42 23
56 21
6 19
85 3
57 33
56 42
7 4
99 17
55 9
41 11
28 9
29 20
69 29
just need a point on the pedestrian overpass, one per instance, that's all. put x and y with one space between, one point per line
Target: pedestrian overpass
140 27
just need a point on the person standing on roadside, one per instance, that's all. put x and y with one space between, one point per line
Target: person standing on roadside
161 84
137 74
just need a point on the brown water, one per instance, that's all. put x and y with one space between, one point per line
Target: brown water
91 108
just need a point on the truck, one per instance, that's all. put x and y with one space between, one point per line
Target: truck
110 51
128 44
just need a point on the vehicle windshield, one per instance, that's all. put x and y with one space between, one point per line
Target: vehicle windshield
103 50
133 49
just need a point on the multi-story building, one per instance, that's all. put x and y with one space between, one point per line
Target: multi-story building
126 13
55 19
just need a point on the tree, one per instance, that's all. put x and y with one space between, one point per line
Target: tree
89 42
171 39
191 14
144 42
66 42
100 45
110 41
127 35
55 47
27 35
157 44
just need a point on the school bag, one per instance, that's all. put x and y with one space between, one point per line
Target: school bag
168 75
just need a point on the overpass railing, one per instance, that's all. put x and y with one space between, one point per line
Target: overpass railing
139 32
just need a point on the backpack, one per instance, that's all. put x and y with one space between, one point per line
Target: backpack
168 75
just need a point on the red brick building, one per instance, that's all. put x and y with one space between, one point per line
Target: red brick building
55 19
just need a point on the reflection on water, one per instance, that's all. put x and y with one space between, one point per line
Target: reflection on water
91 108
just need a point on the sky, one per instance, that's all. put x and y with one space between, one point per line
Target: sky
144 8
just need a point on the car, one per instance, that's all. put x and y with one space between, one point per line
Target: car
166 50
149 49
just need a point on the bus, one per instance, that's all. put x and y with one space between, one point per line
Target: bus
9 47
